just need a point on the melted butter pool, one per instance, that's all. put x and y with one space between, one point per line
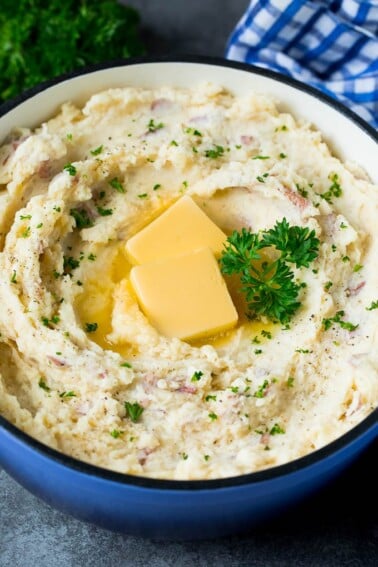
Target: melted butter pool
95 304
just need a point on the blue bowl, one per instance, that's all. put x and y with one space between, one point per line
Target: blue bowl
168 509
165 508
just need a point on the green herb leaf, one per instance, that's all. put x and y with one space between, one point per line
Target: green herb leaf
215 152
71 169
91 327
81 218
133 411
104 212
97 151
277 430
117 185
40 40
152 127
196 376
334 190
116 433
328 323
373 305
298 245
269 287
261 390
69 394
42 384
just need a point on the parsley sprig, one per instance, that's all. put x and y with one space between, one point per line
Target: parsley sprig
269 286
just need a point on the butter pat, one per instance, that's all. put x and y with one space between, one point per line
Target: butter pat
182 228
185 296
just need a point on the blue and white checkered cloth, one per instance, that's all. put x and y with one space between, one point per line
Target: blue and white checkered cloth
331 45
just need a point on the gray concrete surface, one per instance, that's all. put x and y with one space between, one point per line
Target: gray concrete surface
336 528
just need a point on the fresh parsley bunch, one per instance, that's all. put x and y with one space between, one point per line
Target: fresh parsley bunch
40 40
269 285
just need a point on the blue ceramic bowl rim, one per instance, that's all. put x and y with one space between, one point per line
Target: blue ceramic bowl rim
254 477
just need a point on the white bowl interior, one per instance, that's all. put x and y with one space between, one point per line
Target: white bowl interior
346 139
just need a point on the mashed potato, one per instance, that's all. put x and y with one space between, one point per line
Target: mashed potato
74 344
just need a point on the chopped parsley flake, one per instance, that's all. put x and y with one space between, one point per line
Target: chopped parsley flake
152 127
69 137
40 225
117 185
262 178
193 131
104 212
26 232
290 382
328 323
345 259
97 151
71 169
91 327
282 155
373 305
277 430
234 389
302 191
196 376
261 157
14 277
48 322
42 384
357 267
210 397
328 285
184 456
133 411
215 152
142 196
303 350
69 394
343 225
261 390
266 334
334 190
206 457
213 416
116 433
91 257
156 186
125 365
258 351
256 340
173 143
25 217
81 218
70 263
